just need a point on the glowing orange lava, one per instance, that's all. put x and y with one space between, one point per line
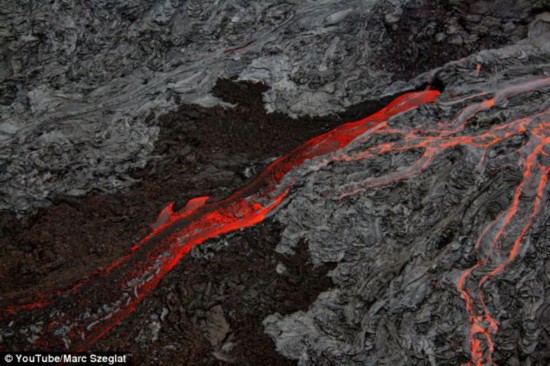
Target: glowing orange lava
76 318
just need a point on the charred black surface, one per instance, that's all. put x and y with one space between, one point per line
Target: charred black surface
422 35
210 309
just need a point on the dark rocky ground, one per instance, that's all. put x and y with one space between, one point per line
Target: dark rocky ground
210 308
426 34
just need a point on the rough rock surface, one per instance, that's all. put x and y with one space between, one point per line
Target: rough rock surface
78 79
402 246
82 82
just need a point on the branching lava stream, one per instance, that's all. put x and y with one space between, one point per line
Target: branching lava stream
74 319
500 242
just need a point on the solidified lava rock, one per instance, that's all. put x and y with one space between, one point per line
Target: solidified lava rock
434 241
79 80
210 310
417 36
414 275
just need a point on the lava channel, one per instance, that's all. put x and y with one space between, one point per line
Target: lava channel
76 318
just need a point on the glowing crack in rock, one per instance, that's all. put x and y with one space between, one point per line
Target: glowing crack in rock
500 242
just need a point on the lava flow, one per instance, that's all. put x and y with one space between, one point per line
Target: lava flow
74 319
501 240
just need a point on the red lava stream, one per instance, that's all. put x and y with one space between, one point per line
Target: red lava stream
76 318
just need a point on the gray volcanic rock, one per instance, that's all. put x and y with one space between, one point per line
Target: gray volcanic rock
403 233
78 79
82 83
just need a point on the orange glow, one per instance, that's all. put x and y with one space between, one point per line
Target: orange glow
502 233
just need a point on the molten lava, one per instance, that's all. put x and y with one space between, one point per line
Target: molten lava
76 318
501 241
